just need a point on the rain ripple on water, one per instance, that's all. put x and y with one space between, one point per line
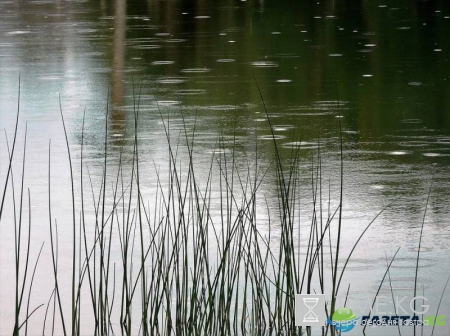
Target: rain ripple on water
400 152
265 64
225 60
162 62
195 70
171 80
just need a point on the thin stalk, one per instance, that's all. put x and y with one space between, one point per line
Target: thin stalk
416 276
11 154
74 307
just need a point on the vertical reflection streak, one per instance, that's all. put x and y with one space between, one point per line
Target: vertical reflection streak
117 115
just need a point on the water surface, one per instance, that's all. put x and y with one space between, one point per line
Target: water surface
380 68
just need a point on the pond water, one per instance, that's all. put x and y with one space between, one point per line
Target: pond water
380 68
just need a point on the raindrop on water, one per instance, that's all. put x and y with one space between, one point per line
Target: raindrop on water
265 64
162 62
400 152
225 60
195 70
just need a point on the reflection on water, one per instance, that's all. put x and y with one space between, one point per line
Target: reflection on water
382 68
118 117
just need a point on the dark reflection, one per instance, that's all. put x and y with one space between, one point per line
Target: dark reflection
426 9
136 8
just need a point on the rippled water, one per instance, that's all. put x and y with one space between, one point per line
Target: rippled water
381 69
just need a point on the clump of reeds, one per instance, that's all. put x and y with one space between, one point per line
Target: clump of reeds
184 270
